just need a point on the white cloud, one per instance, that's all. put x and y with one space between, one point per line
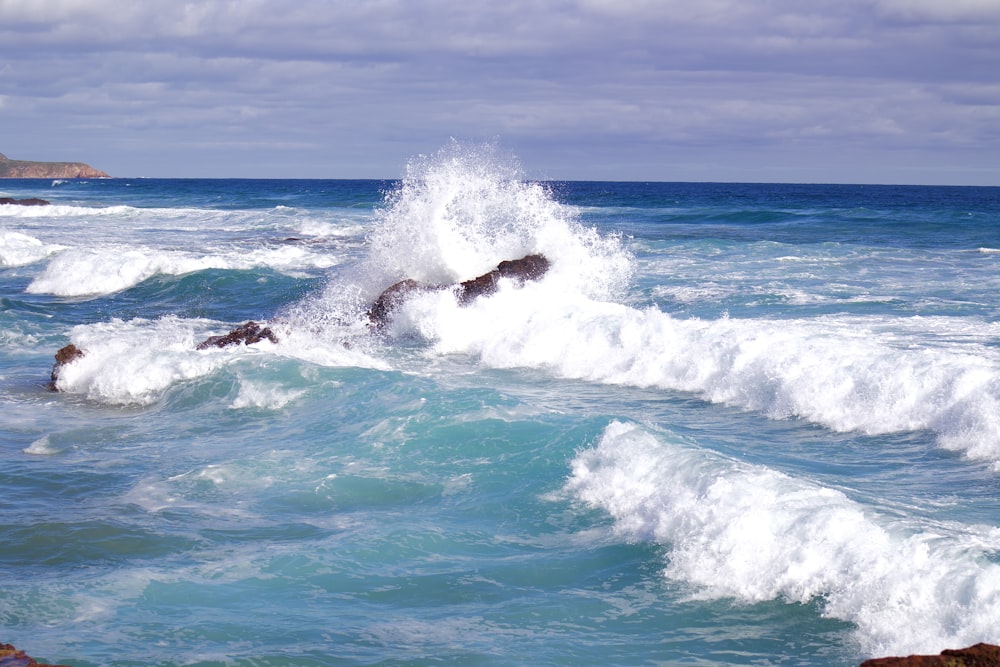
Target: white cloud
394 76
935 11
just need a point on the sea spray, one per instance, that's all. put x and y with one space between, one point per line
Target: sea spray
454 216
459 213
82 272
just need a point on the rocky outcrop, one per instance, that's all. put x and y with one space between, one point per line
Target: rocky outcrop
29 169
529 267
980 655
245 334
33 201
11 657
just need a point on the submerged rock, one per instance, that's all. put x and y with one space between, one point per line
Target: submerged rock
529 267
246 334
11 657
980 655
32 201
65 355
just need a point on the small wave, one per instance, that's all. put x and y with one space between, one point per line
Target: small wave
747 532
62 211
17 249
990 251
109 269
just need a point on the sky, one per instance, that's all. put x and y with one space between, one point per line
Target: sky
832 91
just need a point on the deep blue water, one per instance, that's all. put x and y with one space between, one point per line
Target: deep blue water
733 424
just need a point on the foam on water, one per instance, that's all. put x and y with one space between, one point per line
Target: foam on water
136 361
829 371
62 211
110 269
17 249
751 533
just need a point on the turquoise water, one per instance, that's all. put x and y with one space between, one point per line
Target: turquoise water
734 424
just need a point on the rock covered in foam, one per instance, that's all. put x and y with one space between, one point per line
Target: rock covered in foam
245 334
66 355
12 657
980 655
529 267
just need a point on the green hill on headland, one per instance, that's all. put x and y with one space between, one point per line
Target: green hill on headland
28 169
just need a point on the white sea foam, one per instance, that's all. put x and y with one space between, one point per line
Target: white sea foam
43 446
17 249
136 361
748 532
321 228
112 268
264 396
834 372
62 211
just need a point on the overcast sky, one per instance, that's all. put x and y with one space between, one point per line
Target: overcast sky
855 91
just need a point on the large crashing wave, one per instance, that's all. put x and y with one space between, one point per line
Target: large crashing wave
456 215
459 213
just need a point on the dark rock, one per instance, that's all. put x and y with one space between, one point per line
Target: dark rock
484 285
247 334
530 267
65 355
980 655
390 299
11 657
33 201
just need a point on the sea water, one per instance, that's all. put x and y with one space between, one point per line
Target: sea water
733 424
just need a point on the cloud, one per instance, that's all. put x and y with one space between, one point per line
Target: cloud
380 80
933 11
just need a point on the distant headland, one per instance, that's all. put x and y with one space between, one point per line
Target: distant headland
28 169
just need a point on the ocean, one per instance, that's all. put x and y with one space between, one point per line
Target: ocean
733 424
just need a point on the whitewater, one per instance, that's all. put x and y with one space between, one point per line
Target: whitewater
732 424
